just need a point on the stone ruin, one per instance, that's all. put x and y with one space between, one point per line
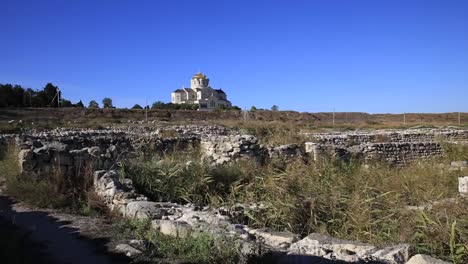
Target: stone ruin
73 150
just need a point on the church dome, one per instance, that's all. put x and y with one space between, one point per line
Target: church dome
199 76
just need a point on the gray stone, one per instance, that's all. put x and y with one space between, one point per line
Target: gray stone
106 184
144 210
127 249
459 164
172 228
463 186
57 146
94 151
425 259
397 254
26 160
321 245
275 239
309 147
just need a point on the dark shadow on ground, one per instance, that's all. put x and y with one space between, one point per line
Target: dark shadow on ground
41 238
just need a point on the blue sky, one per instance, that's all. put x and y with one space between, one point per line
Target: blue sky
370 56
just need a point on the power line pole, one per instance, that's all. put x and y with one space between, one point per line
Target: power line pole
146 111
404 118
333 116
459 119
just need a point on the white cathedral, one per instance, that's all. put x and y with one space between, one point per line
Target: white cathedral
201 93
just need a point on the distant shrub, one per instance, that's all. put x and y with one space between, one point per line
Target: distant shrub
137 106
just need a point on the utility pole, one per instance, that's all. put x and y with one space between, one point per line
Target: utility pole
146 111
333 116
404 118
459 119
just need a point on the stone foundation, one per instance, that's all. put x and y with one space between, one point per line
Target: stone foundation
187 220
73 150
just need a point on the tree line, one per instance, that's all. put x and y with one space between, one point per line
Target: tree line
17 96
51 96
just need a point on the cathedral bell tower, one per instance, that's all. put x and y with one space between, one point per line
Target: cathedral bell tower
199 80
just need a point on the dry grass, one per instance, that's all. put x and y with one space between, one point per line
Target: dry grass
53 190
346 200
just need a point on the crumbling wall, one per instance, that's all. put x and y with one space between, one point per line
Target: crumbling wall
347 139
223 149
401 153
72 150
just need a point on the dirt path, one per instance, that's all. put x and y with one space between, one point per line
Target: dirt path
66 238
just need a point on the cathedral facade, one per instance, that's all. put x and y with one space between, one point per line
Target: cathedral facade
201 93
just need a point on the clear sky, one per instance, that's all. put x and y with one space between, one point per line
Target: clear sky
370 56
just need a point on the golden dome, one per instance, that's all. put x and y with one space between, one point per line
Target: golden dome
199 76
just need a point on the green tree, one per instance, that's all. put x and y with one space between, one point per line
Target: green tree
253 109
50 95
80 104
158 105
93 104
274 108
107 103
137 106
66 103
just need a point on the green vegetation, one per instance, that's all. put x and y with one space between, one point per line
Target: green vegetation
107 103
197 248
345 200
54 191
137 107
171 106
17 96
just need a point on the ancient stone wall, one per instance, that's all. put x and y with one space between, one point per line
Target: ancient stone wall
347 139
401 153
223 149
72 150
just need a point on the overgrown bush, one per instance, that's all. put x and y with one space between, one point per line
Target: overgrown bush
198 248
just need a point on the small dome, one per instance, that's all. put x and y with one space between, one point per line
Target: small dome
199 76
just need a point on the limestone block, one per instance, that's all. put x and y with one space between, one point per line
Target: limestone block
397 254
172 228
106 184
425 259
57 146
275 239
144 210
94 151
459 164
26 160
127 249
321 245
310 147
463 186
